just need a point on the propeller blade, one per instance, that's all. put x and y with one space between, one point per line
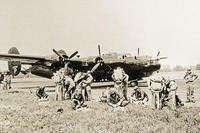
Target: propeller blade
99 50
158 53
95 67
163 58
138 51
74 54
56 52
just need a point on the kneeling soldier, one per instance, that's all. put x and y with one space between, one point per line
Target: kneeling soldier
77 99
114 100
139 96
41 93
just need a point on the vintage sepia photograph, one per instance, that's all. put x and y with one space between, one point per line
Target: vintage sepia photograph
99 66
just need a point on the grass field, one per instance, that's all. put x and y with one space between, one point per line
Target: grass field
21 112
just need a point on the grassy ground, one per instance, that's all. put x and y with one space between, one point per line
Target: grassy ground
21 112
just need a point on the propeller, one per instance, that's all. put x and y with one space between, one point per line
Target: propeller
65 57
74 54
99 50
95 67
56 52
158 53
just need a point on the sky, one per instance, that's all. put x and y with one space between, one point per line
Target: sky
35 27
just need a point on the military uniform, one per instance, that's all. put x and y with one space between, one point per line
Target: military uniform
87 91
8 76
6 83
41 93
83 81
69 87
77 99
114 100
120 81
155 85
190 77
139 95
169 95
58 78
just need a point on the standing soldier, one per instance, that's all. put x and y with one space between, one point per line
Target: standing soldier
8 78
86 83
120 81
190 77
58 78
6 83
1 79
169 93
83 81
155 85
69 87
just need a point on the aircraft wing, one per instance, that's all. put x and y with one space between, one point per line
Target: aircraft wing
23 58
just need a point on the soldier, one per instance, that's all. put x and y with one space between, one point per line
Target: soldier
120 79
86 83
190 77
69 87
8 78
77 99
1 79
155 84
104 95
58 78
41 93
6 83
83 81
169 93
114 100
139 96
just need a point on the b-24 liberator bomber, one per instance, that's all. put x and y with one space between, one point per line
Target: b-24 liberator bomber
136 67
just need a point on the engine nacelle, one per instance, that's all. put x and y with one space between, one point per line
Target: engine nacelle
14 67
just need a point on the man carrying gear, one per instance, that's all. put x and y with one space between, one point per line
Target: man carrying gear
114 100
120 79
83 81
41 93
169 95
58 78
190 77
139 96
69 87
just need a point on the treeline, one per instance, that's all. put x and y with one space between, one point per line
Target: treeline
168 68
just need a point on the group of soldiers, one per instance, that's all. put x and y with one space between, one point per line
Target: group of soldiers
166 93
5 80
78 89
